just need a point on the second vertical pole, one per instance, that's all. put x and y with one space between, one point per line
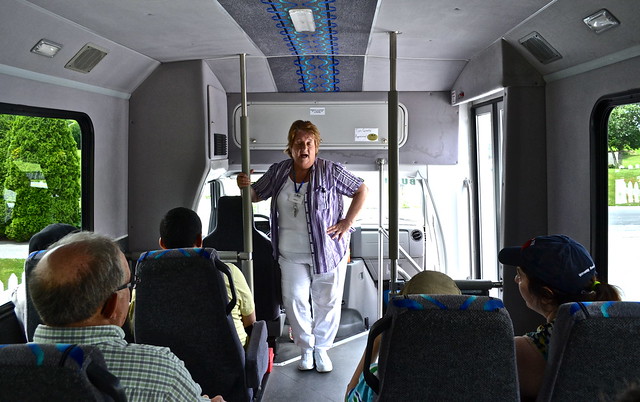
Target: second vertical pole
247 207
394 159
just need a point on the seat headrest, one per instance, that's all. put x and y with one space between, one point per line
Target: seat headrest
229 212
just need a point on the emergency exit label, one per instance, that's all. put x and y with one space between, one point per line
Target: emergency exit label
366 134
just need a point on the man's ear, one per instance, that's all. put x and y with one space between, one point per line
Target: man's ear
161 243
199 241
110 307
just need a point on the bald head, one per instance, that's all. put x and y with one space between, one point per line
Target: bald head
75 278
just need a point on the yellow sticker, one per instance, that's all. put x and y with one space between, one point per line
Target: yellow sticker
372 137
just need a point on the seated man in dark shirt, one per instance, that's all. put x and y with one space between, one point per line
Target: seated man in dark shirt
81 289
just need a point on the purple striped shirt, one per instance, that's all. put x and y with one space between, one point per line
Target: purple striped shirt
328 182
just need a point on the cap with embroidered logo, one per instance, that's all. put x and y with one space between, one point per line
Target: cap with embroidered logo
557 260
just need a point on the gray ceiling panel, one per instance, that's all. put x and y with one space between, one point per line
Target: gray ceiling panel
313 65
437 38
562 26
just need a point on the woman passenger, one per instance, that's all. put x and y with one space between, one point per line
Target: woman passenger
310 236
550 270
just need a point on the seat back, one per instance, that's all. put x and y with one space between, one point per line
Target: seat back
228 236
10 329
444 348
593 353
181 303
33 318
56 372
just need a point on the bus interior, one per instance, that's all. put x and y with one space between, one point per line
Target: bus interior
499 109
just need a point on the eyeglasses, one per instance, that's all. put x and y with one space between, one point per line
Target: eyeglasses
135 280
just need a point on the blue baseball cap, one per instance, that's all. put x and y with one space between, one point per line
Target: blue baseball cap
557 260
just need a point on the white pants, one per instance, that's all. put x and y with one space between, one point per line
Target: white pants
315 328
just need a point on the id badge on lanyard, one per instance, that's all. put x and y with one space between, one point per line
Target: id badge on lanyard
296 199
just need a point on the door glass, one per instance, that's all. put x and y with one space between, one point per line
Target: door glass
624 198
488 135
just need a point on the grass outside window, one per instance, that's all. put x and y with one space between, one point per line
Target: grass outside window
10 266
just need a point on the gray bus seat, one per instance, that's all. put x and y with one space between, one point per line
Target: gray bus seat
181 303
56 372
10 329
33 318
594 352
228 236
444 347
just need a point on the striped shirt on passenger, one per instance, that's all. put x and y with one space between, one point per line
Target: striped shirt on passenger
328 182
146 372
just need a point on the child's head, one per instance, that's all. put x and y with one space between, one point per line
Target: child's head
180 228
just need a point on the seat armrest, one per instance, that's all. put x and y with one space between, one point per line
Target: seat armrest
257 355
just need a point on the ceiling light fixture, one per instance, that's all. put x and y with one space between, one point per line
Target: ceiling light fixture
302 19
46 48
601 21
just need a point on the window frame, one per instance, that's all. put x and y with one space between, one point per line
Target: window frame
495 104
598 130
87 151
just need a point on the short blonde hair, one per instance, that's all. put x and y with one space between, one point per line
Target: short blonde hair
431 282
305 126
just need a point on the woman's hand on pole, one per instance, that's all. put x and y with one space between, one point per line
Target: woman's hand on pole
243 180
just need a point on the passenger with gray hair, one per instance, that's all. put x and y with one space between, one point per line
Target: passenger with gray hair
81 289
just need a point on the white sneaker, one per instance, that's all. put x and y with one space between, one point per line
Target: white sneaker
323 363
306 361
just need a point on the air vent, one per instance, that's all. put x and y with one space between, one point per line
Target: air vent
540 48
416 235
218 146
87 58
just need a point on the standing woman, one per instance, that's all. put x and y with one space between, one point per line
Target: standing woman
550 270
310 238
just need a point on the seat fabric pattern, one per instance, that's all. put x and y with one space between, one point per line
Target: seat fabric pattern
594 352
55 372
181 303
447 347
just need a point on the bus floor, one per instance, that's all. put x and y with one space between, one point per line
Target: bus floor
287 383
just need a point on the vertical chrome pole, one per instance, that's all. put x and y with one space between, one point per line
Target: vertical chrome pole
393 158
380 162
247 208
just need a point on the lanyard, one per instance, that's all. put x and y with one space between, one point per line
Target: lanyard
295 185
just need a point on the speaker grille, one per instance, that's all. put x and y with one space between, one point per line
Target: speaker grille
87 58
540 48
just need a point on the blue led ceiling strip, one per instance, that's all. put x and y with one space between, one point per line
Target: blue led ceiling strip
329 45
315 73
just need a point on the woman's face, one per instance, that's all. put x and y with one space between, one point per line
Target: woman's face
303 150
523 285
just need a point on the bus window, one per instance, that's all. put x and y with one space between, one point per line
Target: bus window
488 142
411 195
41 172
228 187
623 141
